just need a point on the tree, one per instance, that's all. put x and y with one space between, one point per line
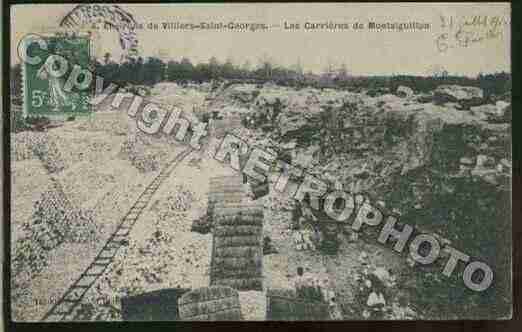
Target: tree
186 69
215 70
154 70
298 69
228 70
139 67
202 72
266 66
172 70
246 69
127 72
106 58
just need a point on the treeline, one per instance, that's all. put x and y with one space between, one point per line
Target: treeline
151 70
492 84
154 70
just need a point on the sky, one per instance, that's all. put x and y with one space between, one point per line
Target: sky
364 52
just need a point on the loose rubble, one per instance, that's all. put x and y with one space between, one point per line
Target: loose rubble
419 153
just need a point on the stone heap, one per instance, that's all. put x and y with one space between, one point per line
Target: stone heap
31 145
54 221
23 145
136 152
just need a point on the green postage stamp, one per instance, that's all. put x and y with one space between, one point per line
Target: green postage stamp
45 91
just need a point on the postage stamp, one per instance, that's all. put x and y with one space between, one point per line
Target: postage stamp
279 162
43 83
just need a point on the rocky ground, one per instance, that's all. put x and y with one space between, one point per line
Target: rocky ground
87 160
441 161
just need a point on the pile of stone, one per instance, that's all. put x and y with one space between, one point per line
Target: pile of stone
50 155
500 112
181 200
242 93
140 157
56 210
404 92
23 143
31 145
202 225
54 221
146 163
268 246
464 96
487 168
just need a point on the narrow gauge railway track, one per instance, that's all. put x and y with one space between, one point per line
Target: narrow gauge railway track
63 309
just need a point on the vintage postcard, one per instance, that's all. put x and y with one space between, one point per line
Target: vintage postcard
260 161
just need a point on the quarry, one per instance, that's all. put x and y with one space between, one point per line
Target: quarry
107 218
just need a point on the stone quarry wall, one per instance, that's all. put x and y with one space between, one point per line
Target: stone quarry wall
442 161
